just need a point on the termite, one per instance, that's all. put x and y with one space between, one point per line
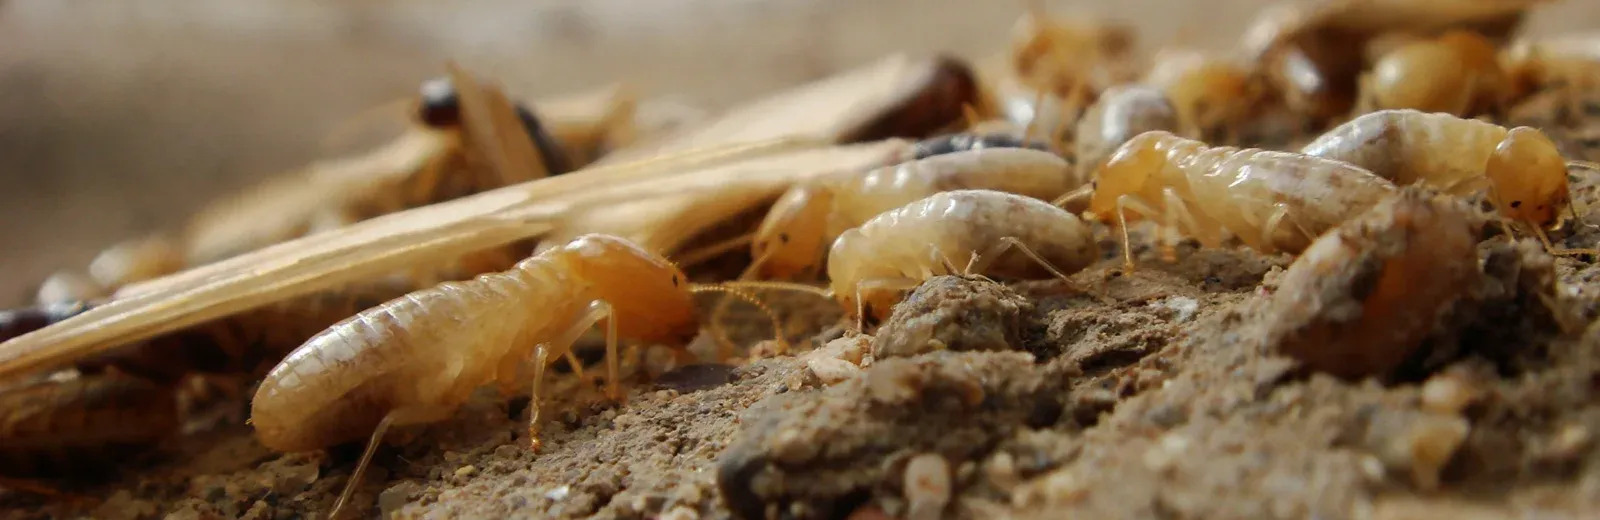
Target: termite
1521 168
130 396
73 428
1273 201
1122 112
127 262
752 154
389 366
1208 92
988 232
1457 72
67 286
458 124
796 232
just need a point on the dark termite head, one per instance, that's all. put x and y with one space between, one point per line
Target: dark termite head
649 296
438 106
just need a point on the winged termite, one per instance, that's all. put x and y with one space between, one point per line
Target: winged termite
425 164
897 96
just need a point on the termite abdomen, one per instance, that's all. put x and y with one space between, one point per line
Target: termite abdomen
81 427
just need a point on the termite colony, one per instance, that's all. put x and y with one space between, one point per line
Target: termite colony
480 249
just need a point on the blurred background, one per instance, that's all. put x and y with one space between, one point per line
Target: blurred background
121 118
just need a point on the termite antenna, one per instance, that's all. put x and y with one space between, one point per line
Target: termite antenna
1075 195
778 286
722 338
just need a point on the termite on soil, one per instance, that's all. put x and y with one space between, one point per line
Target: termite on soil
66 422
1122 112
1458 72
1570 63
72 428
990 232
792 239
417 358
1521 168
1273 201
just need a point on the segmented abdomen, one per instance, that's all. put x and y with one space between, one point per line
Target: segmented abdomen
907 242
1026 172
1240 190
79 427
430 347
1407 146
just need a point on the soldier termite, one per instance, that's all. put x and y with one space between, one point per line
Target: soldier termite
988 232
701 170
385 367
1273 201
1457 72
1522 170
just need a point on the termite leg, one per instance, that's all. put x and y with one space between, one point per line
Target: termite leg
873 285
541 356
1552 249
987 258
1125 203
1073 196
577 364
1276 220
400 417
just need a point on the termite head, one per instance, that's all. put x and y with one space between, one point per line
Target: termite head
1127 172
1529 178
438 106
649 297
791 239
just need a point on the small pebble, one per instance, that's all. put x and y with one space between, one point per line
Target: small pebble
1448 393
466 471
832 371
927 486
679 513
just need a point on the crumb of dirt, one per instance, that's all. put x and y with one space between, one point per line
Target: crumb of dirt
927 486
1417 442
954 313
1362 298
